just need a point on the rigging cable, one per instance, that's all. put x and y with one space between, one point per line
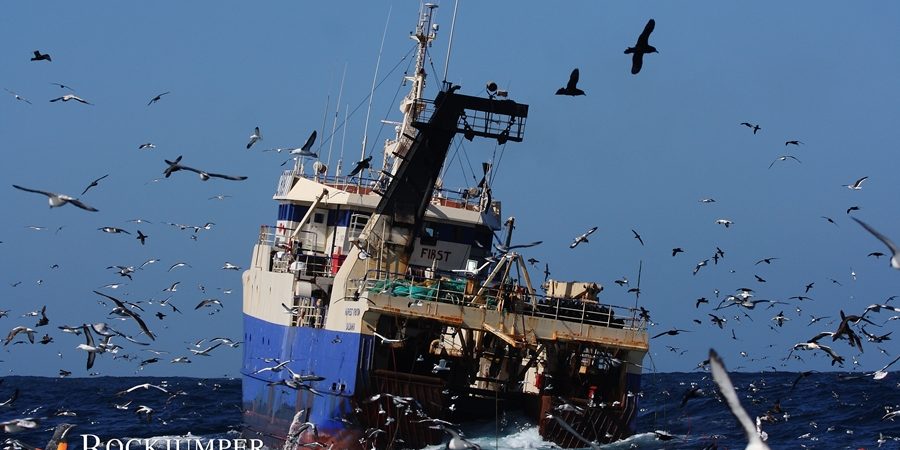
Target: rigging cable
364 99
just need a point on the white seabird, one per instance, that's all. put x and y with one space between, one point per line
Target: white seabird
256 136
723 382
857 185
57 200
17 96
68 97
20 329
582 238
305 150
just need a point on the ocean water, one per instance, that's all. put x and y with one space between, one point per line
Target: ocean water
822 411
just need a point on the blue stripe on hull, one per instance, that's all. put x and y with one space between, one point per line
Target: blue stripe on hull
333 355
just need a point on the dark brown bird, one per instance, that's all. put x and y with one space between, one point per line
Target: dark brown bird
157 98
641 47
844 330
38 56
174 166
676 251
93 183
672 332
755 127
792 143
571 88
638 237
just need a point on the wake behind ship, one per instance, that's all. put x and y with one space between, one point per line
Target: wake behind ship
376 314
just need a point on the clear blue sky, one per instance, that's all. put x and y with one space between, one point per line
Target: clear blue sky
637 152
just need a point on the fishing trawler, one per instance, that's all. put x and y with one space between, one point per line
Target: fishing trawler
377 311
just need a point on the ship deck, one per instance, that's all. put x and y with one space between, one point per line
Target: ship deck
506 313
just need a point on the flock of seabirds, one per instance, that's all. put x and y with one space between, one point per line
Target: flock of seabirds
101 339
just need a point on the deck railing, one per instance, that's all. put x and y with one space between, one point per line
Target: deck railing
460 198
463 291
311 261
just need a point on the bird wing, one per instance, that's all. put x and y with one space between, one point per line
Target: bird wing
890 244
173 166
524 245
226 177
859 181
723 382
48 194
637 61
140 323
573 80
130 313
83 206
90 342
309 141
645 35
189 169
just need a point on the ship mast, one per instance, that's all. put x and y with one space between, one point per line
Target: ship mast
410 106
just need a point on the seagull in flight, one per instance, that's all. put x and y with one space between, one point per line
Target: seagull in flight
148 145
68 97
305 150
174 166
582 238
857 185
38 56
571 88
641 47
256 136
783 158
895 251
93 183
699 265
157 98
145 386
17 96
792 143
57 200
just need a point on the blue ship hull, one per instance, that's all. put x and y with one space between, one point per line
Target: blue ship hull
341 358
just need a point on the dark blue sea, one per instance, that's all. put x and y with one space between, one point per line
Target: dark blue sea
821 411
